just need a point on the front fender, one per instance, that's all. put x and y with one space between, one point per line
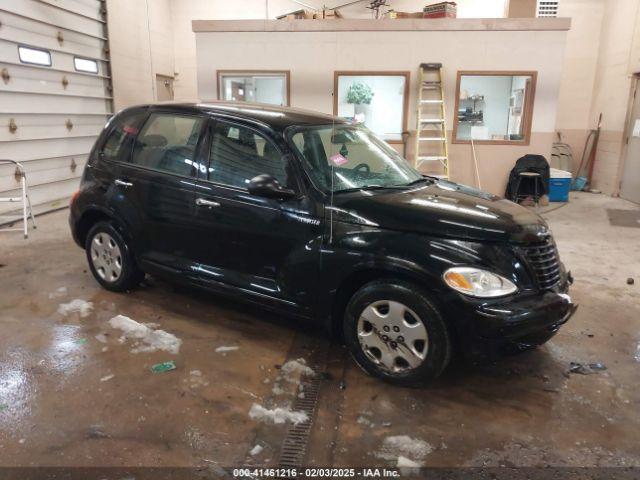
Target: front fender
414 257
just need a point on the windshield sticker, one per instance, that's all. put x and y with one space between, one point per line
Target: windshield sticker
338 159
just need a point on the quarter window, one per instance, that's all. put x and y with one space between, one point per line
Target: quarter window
118 144
238 154
168 143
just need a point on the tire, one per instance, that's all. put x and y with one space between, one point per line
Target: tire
110 258
399 360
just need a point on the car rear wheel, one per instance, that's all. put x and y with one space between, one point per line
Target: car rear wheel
110 258
396 333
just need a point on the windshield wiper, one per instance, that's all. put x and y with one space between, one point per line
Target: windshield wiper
372 187
420 180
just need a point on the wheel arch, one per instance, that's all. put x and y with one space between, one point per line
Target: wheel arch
93 215
87 220
356 280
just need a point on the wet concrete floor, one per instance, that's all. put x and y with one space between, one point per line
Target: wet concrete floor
74 393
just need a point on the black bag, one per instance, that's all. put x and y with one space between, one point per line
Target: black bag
528 163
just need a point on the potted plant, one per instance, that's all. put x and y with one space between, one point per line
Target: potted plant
359 94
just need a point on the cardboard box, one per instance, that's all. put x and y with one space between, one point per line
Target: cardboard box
327 14
297 15
393 14
441 10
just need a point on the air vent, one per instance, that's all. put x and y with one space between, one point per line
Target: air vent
547 8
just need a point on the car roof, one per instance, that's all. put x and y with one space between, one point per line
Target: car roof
276 117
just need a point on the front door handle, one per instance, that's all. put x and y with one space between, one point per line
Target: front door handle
201 202
122 183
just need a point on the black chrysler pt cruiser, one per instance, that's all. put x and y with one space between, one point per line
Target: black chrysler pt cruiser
317 218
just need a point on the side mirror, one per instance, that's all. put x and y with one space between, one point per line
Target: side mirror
267 186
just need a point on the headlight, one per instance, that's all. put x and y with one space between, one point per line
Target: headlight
478 283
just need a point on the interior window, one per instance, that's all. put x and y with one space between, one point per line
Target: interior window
254 87
238 154
494 107
376 100
120 139
167 142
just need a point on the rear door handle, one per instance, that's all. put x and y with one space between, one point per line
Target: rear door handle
201 202
122 183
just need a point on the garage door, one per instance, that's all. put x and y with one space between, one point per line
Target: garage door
55 94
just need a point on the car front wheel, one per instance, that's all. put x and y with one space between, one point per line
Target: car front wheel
110 258
396 333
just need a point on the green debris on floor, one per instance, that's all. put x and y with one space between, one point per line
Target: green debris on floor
163 367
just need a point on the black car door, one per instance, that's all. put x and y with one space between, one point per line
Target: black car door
267 248
156 189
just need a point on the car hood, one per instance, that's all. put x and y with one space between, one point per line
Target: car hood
443 209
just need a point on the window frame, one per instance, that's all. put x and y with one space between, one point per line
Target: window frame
38 49
378 73
75 67
198 153
528 105
253 73
212 124
110 129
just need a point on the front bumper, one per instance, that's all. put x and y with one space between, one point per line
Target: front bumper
486 328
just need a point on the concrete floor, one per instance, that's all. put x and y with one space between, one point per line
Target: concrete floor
68 398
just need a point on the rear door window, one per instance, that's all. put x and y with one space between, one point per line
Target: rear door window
239 154
167 143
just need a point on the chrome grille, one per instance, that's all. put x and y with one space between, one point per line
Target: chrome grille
543 259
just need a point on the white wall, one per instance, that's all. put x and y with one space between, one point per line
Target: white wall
312 58
134 27
184 11
618 58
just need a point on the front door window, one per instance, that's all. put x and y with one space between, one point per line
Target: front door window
239 154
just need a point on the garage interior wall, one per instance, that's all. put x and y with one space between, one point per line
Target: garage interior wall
50 115
313 56
589 75
618 59
170 21
154 37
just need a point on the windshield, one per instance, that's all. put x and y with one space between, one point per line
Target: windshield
349 157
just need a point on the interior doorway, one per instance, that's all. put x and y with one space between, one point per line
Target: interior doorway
164 88
630 187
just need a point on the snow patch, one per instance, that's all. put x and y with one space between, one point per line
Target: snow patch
107 378
277 415
412 449
224 349
60 292
101 337
296 367
404 462
276 390
147 339
77 305
256 450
